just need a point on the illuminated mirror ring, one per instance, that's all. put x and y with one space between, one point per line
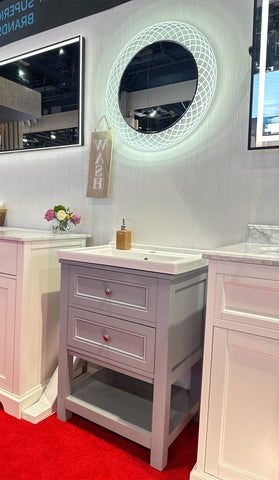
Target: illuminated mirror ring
195 42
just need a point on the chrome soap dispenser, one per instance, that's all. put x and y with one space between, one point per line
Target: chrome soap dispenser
123 238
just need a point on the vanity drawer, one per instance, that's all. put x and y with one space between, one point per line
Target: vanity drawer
110 292
8 257
249 300
116 340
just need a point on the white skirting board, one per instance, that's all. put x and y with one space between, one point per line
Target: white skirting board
46 406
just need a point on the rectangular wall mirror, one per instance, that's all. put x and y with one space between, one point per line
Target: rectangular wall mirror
41 98
264 104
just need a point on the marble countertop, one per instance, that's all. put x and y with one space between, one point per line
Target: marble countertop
257 253
28 234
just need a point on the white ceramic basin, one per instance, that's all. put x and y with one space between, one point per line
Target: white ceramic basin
148 259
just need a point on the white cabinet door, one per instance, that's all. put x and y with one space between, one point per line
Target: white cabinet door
243 422
7 321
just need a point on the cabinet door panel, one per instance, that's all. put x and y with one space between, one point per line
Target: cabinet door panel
243 433
7 321
8 257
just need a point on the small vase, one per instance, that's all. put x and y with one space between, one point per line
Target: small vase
60 226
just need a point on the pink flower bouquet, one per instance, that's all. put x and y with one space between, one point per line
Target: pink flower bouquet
61 218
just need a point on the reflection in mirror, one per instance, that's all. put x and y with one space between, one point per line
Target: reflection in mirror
264 107
41 98
158 86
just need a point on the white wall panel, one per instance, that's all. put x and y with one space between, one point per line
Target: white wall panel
201 193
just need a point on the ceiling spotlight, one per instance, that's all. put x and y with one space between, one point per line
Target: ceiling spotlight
24 140
53 136
21 73
61 51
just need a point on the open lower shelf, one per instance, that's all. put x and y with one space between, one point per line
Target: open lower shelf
125 403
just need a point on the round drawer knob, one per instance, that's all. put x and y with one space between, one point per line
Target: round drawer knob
106 337
108 291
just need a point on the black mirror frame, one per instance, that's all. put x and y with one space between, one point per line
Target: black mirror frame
81 41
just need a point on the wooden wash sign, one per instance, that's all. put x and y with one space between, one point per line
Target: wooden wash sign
100 164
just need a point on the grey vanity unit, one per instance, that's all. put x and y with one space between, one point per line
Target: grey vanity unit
142 330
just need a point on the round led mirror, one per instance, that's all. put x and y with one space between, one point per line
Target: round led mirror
188 42
158 86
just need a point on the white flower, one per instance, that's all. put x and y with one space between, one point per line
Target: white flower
60 215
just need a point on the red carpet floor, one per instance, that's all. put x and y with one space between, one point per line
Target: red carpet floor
80 450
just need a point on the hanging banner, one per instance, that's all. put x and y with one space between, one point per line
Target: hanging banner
100 162
22 18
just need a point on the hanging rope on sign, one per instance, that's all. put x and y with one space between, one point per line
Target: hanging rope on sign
100 161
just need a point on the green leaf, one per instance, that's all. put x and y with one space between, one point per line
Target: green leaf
59 207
